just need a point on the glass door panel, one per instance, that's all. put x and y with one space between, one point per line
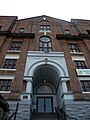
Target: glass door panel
44 105
48 104
41 105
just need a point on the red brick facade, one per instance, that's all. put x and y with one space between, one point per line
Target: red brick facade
9 33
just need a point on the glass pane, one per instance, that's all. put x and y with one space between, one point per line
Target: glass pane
48 105
49 44
45 44
41 105
41 44
45 39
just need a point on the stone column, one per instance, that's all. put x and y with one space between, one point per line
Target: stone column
64 86
29 87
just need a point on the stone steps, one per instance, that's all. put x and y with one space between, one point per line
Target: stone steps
48 116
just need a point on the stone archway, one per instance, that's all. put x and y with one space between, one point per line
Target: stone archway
46 75
46 80
45 71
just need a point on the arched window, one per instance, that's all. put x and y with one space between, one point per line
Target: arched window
44 21
45 44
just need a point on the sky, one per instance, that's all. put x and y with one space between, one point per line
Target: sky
61 9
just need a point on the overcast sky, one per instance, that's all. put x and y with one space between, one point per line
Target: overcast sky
62 9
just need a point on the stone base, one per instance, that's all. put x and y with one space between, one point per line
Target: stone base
24 109
78 109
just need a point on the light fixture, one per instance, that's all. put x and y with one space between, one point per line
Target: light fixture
44 81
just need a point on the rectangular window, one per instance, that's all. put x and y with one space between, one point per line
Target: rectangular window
45 28
1 27
10 64
85 86
15 46
80 64
88 31
48 28
74 47
67 32
5 85
21 30
41 28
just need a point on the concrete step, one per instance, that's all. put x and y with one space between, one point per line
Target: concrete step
48 116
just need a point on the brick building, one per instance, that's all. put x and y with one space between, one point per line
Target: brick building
44 63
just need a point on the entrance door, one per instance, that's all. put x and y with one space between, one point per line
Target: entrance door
44 105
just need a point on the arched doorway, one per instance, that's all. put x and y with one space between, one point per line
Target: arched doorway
47 74
46 80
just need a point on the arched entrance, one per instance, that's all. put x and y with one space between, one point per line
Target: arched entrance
46 80
47 75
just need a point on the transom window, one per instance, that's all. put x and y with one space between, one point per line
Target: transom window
74 48
45 28
80 64
10 64
85 86
15 46
5 85
45 44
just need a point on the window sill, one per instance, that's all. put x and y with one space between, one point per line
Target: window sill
86 92
45 31
76 53
13 51
2 69
5 91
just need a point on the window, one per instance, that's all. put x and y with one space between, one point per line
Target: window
85 86
67 32
5 85
1 27
44 21
45 44
25 97
80 64
88 31
15 46
74 47
10 64
21 30
45 28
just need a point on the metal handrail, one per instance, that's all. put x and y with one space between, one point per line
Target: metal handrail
15 113
62 115
59 115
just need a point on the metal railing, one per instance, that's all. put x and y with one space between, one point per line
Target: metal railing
14 114
61 115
